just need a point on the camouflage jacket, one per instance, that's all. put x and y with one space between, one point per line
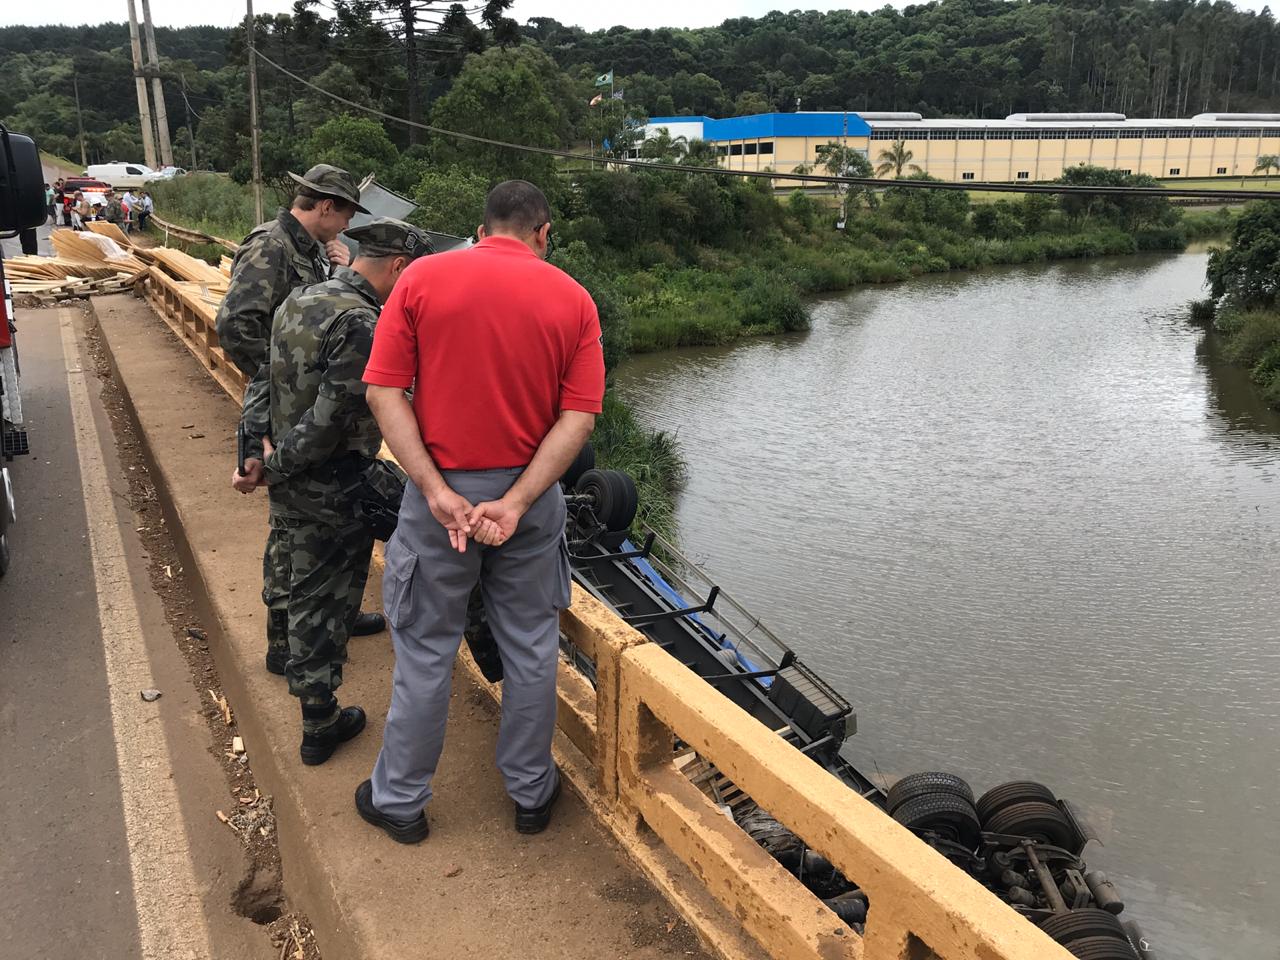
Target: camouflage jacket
276 257
324 433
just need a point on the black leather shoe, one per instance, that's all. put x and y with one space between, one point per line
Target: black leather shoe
319 747
368 624
535 819
401 831
277 660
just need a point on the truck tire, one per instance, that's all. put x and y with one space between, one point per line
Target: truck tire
1007 794
923 784
1085 923
944 814
1034 820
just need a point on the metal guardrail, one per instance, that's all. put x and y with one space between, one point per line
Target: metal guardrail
187 235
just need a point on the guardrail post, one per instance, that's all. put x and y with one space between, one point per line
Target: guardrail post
600 635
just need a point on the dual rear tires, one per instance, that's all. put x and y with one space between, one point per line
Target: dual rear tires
943 803
1090 934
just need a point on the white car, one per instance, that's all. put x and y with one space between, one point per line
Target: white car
121 175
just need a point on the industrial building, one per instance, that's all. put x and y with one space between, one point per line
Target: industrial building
1023 146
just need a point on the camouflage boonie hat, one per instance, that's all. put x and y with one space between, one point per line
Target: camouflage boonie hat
388 237
332 182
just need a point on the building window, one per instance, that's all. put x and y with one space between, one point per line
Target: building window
1153 133
1024 175
735 149
766 146
1206 134
1175 171
967 175
1127 172
1222 170
749 149
722 151
1179 134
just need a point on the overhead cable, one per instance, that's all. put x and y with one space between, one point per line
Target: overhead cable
966 186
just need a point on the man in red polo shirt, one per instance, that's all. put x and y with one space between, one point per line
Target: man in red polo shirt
503 352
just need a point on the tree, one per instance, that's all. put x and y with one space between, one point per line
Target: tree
450 200
896 159
940 208
841 160
440 17
1266 164
513 78
1247 273
358 145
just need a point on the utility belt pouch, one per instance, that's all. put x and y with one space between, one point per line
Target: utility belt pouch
376 494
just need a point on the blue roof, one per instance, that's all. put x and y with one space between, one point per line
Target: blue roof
830 124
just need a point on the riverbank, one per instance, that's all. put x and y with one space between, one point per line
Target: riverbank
1244 302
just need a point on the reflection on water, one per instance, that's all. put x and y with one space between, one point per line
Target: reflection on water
1029 527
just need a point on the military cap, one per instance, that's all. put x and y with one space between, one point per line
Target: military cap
388 237
332 182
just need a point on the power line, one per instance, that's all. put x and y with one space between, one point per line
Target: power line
981 186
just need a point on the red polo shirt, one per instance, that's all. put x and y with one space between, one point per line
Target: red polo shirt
496 343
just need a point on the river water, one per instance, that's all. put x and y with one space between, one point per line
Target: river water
1029 524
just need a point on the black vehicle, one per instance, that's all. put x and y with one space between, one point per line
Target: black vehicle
1018 839
22 207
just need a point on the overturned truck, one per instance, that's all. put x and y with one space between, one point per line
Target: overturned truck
1018 839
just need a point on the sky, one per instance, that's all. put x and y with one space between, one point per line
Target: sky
592 14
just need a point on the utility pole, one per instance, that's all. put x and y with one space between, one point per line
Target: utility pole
253 110
75 85
191 131
144 109
162 112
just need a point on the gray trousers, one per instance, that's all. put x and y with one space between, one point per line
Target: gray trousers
525 585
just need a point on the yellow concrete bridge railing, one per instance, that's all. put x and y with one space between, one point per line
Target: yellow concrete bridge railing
622 732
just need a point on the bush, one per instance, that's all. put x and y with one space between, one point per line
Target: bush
211 203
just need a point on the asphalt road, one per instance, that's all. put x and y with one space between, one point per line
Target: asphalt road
109 846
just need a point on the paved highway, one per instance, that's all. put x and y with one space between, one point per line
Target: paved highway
111 846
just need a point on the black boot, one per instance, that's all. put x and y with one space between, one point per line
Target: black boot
368 624
277 660
401 831
319 746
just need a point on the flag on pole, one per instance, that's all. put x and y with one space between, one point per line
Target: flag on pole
605 79
616 95
596 99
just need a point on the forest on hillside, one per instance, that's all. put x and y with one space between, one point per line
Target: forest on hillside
966 58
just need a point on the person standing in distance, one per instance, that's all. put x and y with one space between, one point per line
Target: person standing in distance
322 445
275 258
505 350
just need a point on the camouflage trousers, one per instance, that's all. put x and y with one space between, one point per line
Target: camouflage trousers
315 572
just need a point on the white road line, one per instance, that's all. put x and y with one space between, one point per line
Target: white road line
171 923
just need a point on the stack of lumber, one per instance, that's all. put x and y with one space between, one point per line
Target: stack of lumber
184 267
84 263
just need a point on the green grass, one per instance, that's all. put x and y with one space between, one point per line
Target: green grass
1252 339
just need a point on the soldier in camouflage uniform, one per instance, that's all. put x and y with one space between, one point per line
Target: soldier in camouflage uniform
322 449
275 258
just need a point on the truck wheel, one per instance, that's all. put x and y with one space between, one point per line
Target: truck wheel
924 784
1101 948
947 815
1087 922
615 497
1007 794
1034 820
